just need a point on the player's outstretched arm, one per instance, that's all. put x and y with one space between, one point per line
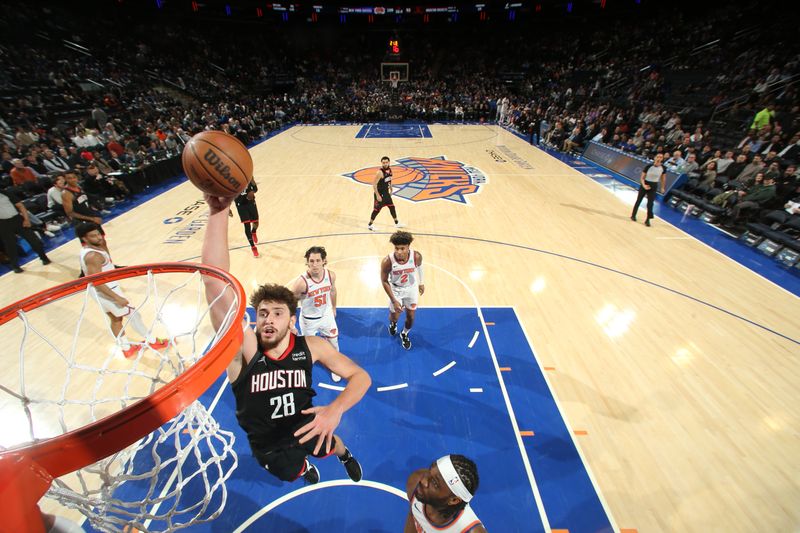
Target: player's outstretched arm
298 287
328 416
386 267
418 262
215 253
333 292
378 177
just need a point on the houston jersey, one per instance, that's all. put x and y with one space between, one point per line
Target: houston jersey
317 299
271 393
403 274
242 199
385 182
463 522
107 263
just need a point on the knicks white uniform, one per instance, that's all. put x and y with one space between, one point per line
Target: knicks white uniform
108 305
316 308
463 522
404 282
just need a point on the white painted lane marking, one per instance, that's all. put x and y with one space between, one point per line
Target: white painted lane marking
474 338
393 387
445 368
319 486
331 387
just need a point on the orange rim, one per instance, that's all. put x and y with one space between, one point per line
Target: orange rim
81 447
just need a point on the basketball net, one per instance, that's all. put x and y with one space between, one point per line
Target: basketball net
166 480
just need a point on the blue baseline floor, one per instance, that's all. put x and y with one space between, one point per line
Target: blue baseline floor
395 432
394 131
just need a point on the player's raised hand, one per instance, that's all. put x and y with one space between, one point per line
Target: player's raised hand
217 203
326 420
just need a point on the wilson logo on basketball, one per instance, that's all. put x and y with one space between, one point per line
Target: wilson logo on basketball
420 179
223 169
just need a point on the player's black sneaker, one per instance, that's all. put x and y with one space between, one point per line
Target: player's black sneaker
311 474
352 465
405 341
392 328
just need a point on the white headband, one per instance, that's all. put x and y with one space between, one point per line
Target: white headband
452 478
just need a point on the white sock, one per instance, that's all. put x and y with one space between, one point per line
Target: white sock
406 330
334 342
123 342
137 324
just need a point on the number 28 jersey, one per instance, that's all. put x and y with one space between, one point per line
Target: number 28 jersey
271 395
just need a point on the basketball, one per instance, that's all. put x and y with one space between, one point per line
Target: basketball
217 163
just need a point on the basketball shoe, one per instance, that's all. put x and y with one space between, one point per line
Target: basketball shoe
158 344
255 251
392 328
131 351
311 474
404 340
352 465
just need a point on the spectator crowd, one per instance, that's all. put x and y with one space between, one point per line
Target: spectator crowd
86 110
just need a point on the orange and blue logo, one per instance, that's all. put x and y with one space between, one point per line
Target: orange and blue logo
420 179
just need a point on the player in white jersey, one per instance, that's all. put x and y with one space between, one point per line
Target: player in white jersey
401 275
95 258
440 497
315 290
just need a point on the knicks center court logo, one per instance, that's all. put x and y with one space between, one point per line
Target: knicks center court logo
427 178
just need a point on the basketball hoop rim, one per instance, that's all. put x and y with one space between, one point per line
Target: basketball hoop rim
86 445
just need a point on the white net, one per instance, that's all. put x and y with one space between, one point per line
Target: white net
189 455
170 479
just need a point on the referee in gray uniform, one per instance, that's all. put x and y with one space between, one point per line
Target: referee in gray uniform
652 176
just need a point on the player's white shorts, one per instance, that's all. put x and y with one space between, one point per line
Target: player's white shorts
109 306
325 326
407 296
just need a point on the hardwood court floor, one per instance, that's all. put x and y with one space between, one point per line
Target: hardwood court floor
680 365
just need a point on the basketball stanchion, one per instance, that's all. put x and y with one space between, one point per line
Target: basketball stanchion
125 442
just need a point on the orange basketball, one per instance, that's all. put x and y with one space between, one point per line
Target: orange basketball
217 163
